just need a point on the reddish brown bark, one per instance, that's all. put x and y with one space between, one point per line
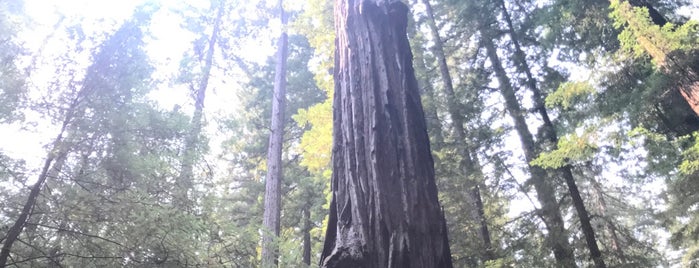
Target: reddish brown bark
385 211
690 92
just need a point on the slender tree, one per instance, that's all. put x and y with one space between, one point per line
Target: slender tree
384 210
468 168
110 73
192 140
551 135
273 180
545 190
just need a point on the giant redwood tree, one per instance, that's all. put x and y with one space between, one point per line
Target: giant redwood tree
384 211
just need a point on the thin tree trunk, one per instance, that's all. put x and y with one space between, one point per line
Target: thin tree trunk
273 180
55 159
191 145
557 236
306 223
611 229
551 135
384 211
470 172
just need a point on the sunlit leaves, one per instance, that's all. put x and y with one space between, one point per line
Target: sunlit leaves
641 37
567 94
316 142
570 149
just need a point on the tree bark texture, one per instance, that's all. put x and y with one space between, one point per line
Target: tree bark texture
557 237
273 180
384 211
552 137
470 172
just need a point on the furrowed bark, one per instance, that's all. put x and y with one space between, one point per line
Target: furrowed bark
384 211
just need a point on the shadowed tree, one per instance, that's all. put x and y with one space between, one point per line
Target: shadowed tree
384 211
470 171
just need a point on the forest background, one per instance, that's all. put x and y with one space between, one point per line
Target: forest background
140 130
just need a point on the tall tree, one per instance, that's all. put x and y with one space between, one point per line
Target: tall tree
384 210
118 69
273 180
192 146
545 190
551 135
469 170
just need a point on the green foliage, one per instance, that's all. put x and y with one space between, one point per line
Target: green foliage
12 80
316 142
641 37
568 93
690 158
570 149
111 202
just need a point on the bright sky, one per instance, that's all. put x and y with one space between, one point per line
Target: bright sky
98 19
167 46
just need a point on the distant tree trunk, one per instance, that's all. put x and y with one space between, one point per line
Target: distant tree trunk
384 211
469 171
434 123
616 244
552 137
306 223
273 180
545 192
191 144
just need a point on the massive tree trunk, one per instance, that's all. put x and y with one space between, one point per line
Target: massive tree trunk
557 237
469 170
273 180
384 211
191 143
552 137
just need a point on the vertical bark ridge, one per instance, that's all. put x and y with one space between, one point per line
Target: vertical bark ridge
385 211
